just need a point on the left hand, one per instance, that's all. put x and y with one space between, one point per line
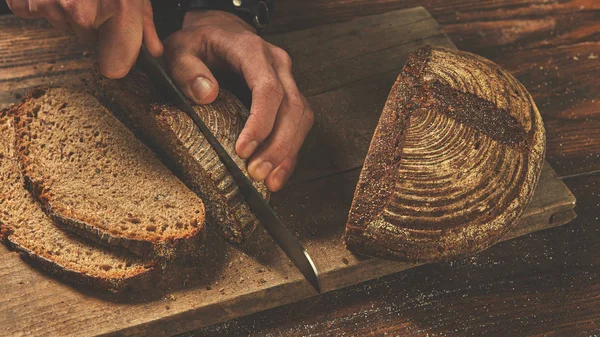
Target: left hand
280 117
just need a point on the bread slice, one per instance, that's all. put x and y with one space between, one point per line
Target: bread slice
453 163
26 228
97 179
173 134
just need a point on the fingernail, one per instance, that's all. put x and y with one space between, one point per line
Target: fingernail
248 149
202 87
261 171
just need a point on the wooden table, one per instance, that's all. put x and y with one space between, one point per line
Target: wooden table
538 284
550 287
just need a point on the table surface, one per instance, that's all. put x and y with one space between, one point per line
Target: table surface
541 284
547 283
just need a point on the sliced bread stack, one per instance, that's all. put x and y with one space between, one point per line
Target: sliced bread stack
107 209
26 228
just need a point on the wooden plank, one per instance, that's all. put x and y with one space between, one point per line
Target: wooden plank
255 276
542 284
268 278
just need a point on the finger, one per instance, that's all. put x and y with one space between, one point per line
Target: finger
51 11
277 179
267 95
290 113
56 16
151 39
20 8
120 39
190 74
85 35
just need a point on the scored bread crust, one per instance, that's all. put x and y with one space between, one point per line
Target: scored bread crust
453 162
25 228
174 135
42 101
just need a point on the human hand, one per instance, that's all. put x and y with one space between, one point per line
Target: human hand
280 117
117 26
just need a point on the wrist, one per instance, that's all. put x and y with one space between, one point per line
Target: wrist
256 13
214 17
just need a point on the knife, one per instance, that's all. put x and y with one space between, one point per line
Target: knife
261 209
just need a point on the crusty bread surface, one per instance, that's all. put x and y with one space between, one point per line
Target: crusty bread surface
453 163
174 135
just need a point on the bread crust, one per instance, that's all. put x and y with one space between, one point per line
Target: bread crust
137 279
435 196
182 246
173 135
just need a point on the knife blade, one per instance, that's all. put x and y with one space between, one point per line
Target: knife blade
261 209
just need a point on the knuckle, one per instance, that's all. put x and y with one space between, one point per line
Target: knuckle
282 57
68 6
295 101
76 14
279 150
273 87
309 115
251 39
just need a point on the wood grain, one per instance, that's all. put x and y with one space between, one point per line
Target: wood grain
545 284
522 35
254 276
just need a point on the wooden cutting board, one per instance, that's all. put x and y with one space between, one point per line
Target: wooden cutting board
346 70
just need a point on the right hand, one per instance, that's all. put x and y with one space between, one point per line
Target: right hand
117 26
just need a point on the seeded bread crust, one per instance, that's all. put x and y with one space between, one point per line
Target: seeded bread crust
173 134
453 163
51 121
24 227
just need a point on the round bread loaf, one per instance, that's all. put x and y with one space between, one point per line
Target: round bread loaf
453 163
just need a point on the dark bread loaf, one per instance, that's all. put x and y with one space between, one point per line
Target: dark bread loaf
453 163
26 228
97 179
174 135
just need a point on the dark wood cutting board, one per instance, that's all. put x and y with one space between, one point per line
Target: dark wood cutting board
346 71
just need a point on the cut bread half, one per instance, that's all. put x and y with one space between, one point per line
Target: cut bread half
453 163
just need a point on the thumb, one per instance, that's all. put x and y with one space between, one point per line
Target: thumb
192 76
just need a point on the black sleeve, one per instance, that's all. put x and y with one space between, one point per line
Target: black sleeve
168 16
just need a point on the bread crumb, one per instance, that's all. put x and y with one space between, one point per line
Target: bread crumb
592 56
172 298
575 58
